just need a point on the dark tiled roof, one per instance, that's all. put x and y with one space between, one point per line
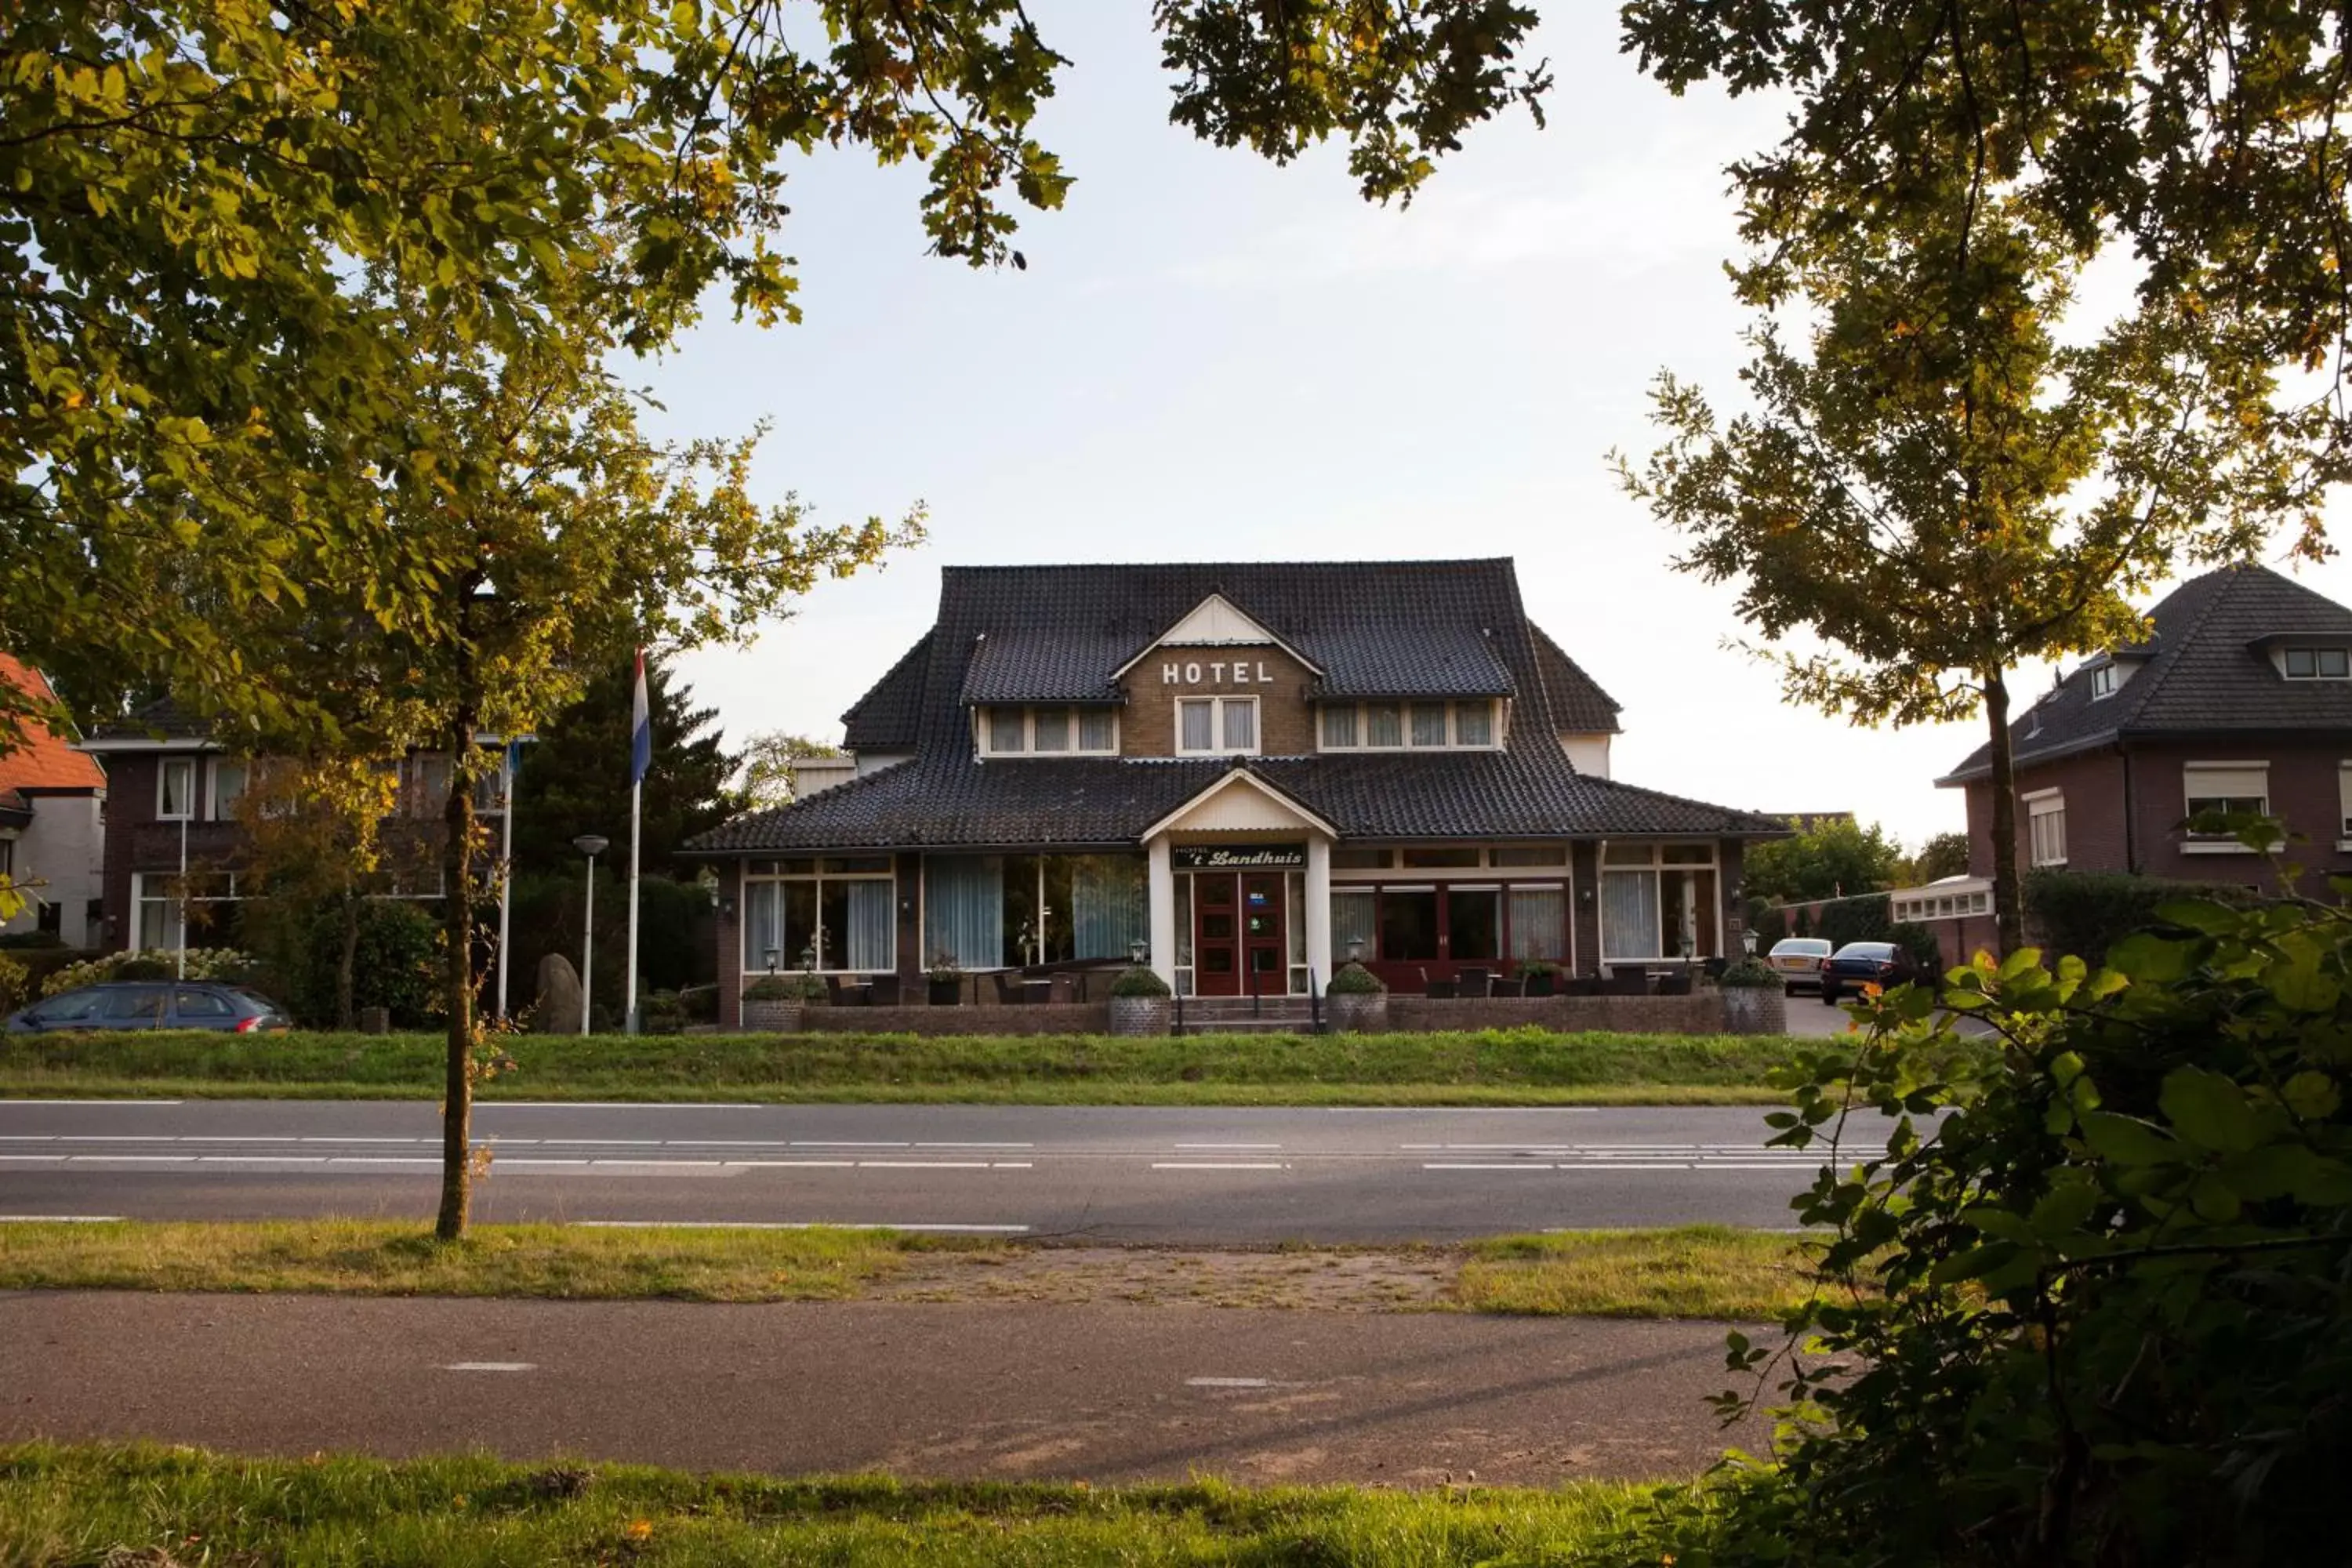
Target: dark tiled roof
1390 628
949 802
1578 706
2199 674
887 718
162 720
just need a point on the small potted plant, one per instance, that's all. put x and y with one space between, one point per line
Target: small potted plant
1543 976
1359 1001
1139 1003
944 980
1754 1002
774 1003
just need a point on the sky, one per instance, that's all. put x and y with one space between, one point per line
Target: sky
1209 358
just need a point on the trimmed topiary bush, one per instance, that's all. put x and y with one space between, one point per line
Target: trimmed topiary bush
1355 980
1138 982
1751 974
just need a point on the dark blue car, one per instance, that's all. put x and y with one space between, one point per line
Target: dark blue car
1885 965
152 1004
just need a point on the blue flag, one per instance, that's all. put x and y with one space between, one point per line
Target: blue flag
641 728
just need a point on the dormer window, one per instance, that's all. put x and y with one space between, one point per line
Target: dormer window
2103 682
1055 730
1216 726
1423 726
2317 664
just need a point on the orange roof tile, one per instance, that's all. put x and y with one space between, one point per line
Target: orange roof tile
45 760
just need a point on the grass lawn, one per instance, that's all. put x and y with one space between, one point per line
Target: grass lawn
1501 1066
78 1505
1697 1271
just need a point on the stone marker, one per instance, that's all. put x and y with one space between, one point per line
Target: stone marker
559 997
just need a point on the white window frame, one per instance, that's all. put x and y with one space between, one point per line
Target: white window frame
213 805
984 731
188 796
2286 663
1656 865
2218 844
2103 682
2344 805
1217 747
1404 742
2045 827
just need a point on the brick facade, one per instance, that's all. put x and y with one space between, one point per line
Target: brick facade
2124 805
1285 720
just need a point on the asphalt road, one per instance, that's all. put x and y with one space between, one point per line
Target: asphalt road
1094 1392
1175 1176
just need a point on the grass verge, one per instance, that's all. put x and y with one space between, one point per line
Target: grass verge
1499 1066
164 1507
1697 1271
1691 1271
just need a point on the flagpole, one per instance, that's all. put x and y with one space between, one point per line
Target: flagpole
506 861
636 792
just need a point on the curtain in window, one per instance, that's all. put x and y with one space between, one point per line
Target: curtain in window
1110 908
1241 724
1197 720
1474 723
1355 916
1094 726
1429 723
1340 725
1539 923
1004 730
873 908
963 910
763 926
1629 914
1383 725
1053 729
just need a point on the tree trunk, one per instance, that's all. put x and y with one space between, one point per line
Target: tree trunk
2008 888
347 964
457 971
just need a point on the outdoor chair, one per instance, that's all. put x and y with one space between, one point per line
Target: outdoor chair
1626 983
1515 985
1439 990
882 991
1582 985
1010 991
1472 980
1678 984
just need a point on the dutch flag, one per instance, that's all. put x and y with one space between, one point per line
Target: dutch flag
641 728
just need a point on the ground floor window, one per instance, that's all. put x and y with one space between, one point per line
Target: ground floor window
2045 818
1013 911
206 904
1658 901
1449 922
835 915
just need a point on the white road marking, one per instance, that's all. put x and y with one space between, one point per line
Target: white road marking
60 1219
236 1138
1230 1146
109 1103
132 1159
792 1225
532 1164
1628 1165
607 1105
426 1160
1219 1165
1229 1382
976 1145
1465 1165
321 1140
490 1366
847 1143
28 1138
34 1159
794 1165
922 1165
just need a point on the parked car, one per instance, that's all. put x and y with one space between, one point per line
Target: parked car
1885 965
1799 959
152 1004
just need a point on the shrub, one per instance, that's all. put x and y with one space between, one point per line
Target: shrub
2086 913
2086 1308
1750 974
16 984
661 1013
223 964
797 986
397 966
1354 980
1138 981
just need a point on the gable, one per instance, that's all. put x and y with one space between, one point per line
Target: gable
1214 622
1240 803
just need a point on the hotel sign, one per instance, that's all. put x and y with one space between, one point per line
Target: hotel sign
1239 856
1220 671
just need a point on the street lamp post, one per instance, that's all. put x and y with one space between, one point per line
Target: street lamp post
591 845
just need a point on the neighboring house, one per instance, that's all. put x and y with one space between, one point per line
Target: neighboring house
1244 770
52 825
174 814
2241 701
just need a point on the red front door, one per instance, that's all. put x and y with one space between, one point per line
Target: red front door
1238 934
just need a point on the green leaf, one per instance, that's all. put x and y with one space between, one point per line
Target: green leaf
2126 1140
2310 1095
2208 1110
2145 959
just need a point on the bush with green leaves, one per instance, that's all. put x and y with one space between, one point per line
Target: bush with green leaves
2085 912
16 985
1138 981
2093 1306
1354 980
223 964
1750 974
795 986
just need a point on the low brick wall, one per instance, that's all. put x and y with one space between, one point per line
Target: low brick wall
1045 1018
1700 1013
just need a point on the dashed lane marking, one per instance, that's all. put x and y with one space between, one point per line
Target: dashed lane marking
60 1219
797 1224
490 1366
1220 1166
